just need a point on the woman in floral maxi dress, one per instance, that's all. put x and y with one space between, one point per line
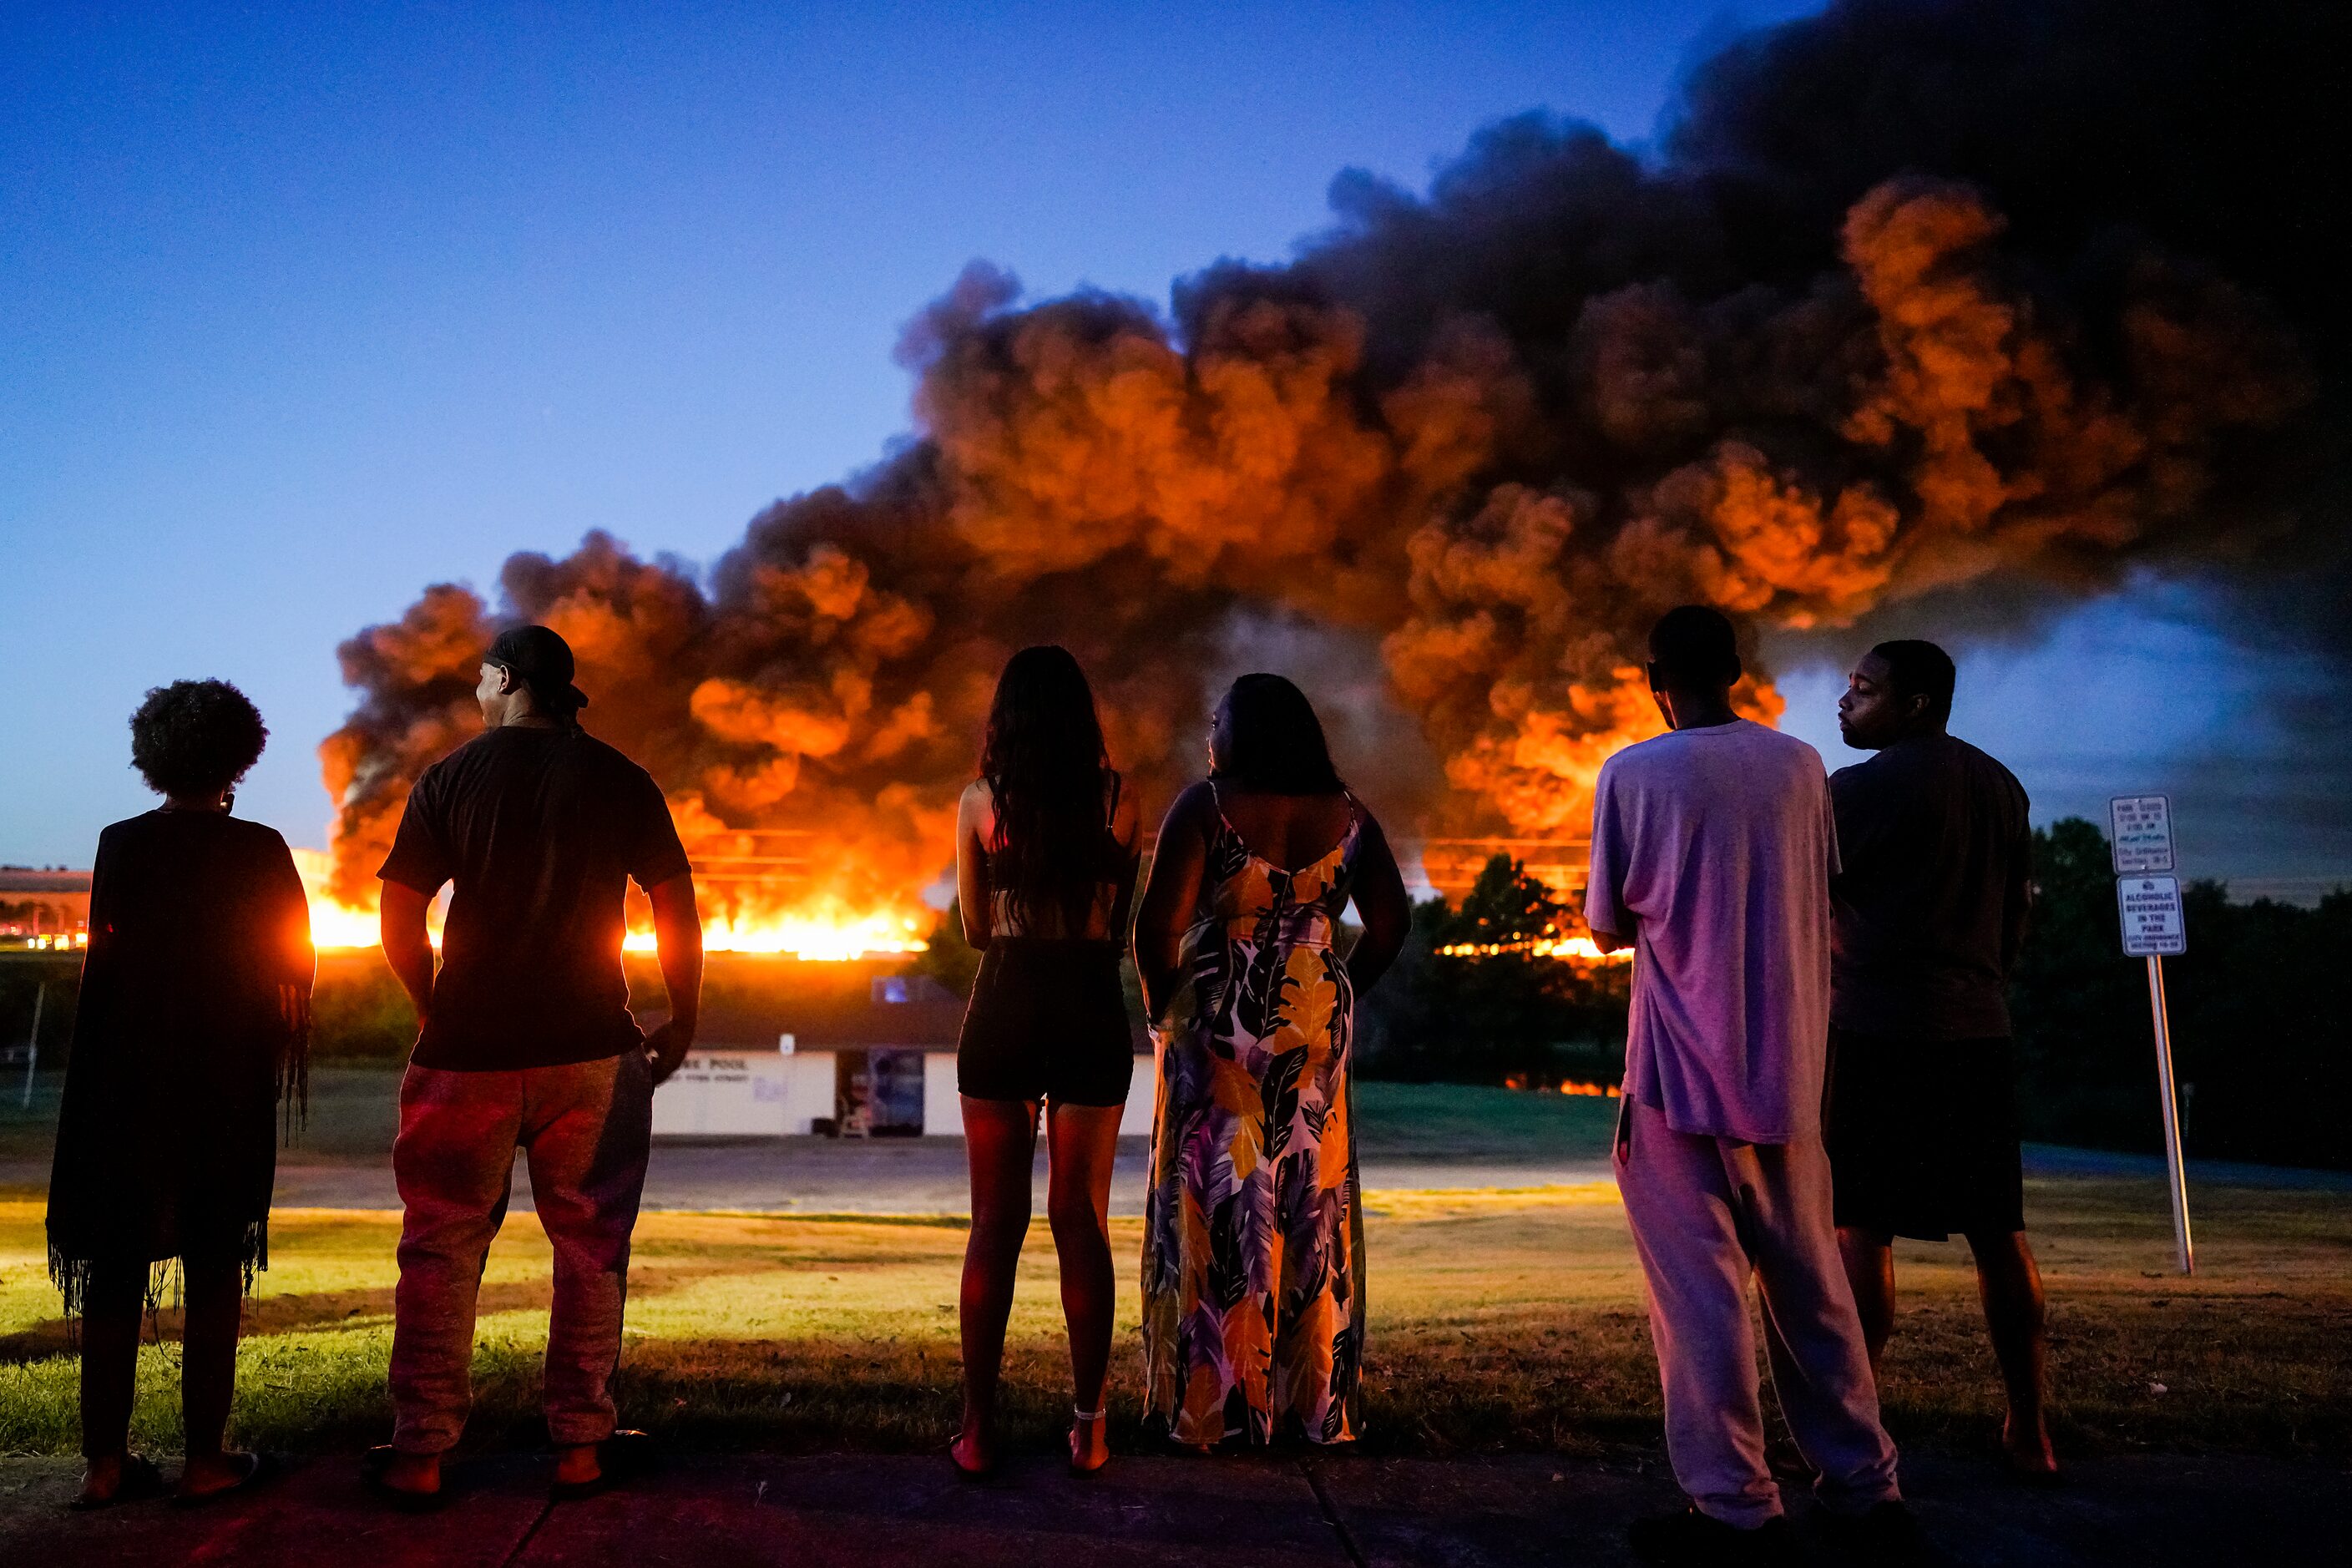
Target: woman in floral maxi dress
1253 1251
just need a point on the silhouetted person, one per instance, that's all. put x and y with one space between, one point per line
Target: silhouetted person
193 1030
1712 850
1254 1225
1931 910
1045 858
525 1041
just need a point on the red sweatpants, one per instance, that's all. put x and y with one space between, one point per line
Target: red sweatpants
585 1129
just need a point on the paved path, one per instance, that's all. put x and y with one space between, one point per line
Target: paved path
859 1511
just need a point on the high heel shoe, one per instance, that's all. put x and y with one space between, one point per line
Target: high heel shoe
1085 1418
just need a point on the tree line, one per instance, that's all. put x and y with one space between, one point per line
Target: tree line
2261 1035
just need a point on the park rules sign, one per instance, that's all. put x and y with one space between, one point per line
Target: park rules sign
2147 897
2149 903
2142 833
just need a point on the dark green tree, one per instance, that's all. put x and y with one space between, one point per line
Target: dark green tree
949 958
1472 1001
2078 1006
2262 1044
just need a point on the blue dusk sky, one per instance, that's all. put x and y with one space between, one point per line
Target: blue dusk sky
303 309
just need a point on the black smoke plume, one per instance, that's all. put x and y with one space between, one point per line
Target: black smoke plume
1917 297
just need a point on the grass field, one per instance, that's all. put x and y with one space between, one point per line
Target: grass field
1501 1320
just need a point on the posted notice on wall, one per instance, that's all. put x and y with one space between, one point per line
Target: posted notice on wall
2153 925
2140 826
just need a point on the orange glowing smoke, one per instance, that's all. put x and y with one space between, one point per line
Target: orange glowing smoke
1487 495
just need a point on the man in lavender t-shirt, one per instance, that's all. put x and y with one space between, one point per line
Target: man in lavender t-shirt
1712 850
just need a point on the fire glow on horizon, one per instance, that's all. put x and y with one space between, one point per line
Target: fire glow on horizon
1579 949
831 935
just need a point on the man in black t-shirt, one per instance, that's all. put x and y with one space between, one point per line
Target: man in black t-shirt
1927 913
526 1042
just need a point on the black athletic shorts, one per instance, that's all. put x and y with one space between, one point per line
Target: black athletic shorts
1922 1135
1048 1020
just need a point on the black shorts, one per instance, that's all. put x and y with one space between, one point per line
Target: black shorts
1048 1020
1922 1135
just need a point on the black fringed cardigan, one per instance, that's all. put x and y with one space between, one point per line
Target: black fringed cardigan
190 1032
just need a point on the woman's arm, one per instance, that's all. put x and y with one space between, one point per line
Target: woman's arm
975 820
98 956
295 969
1382 904
1127 832
1179 862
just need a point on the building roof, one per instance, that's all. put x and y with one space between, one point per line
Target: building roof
828 1017
828 1007
24 879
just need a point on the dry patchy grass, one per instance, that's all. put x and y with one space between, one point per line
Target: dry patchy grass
1501 1320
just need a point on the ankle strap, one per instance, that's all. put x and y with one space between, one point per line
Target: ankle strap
1090 1415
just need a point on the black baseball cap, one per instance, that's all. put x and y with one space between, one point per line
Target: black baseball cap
540 660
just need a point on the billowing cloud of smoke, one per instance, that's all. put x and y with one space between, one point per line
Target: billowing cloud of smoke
1873 328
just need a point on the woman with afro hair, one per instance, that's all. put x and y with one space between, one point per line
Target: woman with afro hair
193 1030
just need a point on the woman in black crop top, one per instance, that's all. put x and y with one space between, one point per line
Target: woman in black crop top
1046 861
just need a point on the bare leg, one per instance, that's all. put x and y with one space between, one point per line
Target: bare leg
215 1296
1081 1142
2008 1283
111 1312
1869 1258
1001 1143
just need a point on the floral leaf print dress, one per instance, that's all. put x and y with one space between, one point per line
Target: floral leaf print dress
1253 1240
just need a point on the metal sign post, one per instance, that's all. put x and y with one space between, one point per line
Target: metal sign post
2148 906
33 1044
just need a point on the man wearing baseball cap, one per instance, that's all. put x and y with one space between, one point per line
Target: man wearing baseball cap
526 1042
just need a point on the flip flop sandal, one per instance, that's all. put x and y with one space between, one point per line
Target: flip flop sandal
141 1481
968 1472
1093 1417
373 1465
265 1468
624 1457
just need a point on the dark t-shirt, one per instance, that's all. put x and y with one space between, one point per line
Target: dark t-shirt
541 831
1930 905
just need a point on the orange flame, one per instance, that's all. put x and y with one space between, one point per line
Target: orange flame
1579 949
1569 1087
828 931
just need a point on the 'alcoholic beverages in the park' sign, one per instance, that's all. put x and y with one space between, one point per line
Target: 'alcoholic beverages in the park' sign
2150 907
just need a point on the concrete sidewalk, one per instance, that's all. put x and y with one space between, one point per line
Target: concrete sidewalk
859 1511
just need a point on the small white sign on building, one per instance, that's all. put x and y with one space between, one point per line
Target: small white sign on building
2141 829
736 1094
2150 907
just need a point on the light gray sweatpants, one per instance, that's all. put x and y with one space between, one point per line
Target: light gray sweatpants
586 1129
1708 1212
